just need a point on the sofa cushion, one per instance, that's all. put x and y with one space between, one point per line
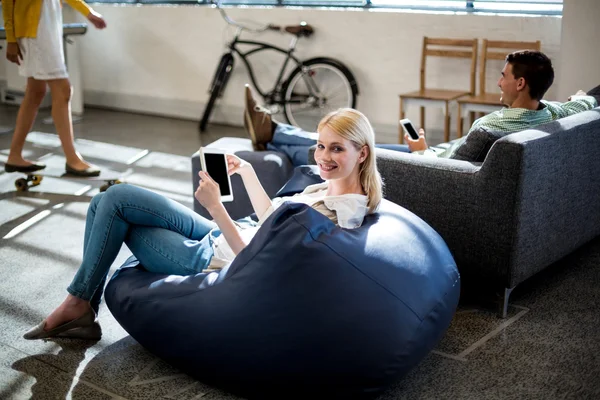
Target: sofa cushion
477 144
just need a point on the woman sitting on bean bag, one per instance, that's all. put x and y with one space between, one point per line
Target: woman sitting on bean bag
168 238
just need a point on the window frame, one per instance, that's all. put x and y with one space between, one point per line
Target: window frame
470 6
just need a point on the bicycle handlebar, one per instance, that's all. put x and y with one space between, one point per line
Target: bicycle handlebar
232 22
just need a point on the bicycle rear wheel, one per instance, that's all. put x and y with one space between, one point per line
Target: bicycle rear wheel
320 86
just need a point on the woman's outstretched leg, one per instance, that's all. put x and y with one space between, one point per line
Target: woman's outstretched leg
34 95
111 217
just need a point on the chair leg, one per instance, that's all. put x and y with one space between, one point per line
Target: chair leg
400 130
459 127
503 303
472 117
422 119
446 124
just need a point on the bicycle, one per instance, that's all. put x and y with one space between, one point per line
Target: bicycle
314 87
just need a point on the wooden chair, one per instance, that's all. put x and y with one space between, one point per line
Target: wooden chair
486 102
440 97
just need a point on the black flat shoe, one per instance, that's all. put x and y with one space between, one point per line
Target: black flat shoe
84 327
23 168
88 172
92 332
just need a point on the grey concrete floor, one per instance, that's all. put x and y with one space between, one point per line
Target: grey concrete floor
167 135
547 348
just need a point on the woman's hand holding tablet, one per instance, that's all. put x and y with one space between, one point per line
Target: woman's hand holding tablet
215 163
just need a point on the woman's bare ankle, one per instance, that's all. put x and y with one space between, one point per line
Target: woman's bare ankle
20 161
79 163
70 309
74 301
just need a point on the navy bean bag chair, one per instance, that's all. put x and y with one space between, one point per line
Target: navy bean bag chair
306 309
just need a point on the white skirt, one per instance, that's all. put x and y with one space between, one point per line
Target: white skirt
43 56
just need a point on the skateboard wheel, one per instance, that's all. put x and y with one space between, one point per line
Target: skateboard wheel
36 180
21 185
109 183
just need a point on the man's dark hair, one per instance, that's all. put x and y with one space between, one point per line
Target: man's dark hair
535 67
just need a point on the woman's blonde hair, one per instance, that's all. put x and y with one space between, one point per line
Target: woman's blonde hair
352 125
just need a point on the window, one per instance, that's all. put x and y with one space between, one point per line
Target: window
549 7
449 5
538 7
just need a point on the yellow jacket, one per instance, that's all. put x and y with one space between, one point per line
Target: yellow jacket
21 17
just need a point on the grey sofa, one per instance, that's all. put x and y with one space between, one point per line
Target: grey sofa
534 199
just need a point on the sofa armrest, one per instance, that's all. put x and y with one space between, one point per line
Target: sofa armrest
408 177
272 168
433 188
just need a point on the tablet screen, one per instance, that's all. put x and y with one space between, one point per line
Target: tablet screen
217 169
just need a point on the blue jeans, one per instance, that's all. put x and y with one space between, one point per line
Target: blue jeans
295 142
165 236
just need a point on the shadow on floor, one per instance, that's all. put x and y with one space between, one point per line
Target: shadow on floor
71 354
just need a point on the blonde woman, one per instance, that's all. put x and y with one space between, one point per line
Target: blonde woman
168 238
34 35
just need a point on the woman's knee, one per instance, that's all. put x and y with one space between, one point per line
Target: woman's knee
36 91
117 194
61 91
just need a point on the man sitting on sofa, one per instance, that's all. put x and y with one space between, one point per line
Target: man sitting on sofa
525 78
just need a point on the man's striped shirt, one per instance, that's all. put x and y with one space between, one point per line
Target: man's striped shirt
518 119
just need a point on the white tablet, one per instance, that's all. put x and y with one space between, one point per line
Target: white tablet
215 163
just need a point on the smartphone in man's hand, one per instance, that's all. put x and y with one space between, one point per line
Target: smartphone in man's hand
409 128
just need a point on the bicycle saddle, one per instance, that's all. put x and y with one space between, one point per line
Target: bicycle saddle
300 30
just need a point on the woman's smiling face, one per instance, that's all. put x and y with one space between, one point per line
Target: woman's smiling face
337 157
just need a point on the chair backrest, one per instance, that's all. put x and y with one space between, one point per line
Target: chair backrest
490 50
453 48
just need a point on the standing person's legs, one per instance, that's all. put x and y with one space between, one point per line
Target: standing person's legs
34 95
61 114
113 217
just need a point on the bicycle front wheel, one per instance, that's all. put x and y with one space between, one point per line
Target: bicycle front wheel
217 87
315 89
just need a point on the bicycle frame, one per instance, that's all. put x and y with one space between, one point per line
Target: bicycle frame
282 95
274 95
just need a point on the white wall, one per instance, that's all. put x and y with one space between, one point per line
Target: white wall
160 59
2 68
579 62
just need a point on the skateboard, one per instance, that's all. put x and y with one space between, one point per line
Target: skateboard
32 179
